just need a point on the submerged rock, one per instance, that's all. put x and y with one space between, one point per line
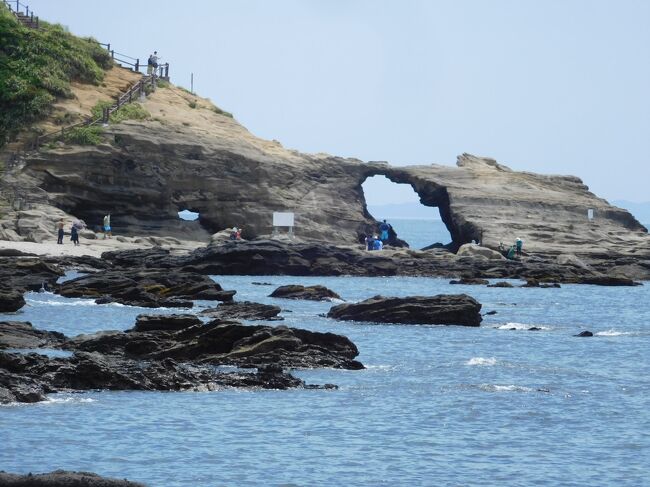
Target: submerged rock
470 281
62 478
455 309
503 284
309 293
585 333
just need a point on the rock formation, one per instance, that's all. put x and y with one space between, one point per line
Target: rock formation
457 309
62 478
243 310
196 159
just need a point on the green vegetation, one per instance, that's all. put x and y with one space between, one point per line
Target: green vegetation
161 83
84 135
192 104
130 111
219 111
36 66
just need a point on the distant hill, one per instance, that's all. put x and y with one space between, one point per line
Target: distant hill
404 210
641 211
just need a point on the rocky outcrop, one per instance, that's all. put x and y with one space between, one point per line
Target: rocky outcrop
20 334
243 310
474 250
458 309
28 273
11 300
225 343
309 293
150 288
28 378
62 478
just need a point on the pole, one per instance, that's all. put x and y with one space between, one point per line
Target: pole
192 83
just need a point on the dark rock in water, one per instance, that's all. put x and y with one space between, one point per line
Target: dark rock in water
543 285
455 309
165 322
501 284
585 333
21 334
261 284
243 310
27 273
604 280
534 328
470 281
310 293
227 343
139 257
489 313
62 478
11 300
150 288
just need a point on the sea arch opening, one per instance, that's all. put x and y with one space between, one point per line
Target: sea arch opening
420 226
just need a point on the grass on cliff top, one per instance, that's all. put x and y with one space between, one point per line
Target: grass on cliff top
37 66
130 111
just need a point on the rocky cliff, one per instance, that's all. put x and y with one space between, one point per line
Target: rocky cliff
189 155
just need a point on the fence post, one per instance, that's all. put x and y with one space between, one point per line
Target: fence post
112 54
137 64
37 22
167 70
27 10
108 46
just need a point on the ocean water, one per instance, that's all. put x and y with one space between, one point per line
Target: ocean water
496 405
419 232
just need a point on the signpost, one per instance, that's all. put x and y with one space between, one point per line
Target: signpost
283 219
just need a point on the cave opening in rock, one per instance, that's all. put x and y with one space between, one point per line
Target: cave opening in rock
417 224
188 215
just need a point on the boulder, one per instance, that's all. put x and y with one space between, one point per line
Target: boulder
501 284
470 281
310 293
474 250
243 310
455 309
11 300
585 333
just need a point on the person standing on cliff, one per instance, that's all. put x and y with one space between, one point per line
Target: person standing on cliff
519 243
59 228
107 226
152 63
383 228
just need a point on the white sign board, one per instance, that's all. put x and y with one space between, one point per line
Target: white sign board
282 219
590 213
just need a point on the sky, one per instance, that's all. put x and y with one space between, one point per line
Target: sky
554 87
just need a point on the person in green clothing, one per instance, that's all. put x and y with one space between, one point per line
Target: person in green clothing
511 253
519 243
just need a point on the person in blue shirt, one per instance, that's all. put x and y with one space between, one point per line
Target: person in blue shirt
383 228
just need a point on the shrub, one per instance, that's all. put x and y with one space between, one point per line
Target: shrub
36 66
130 111
219 111
83 135
192 104
161 83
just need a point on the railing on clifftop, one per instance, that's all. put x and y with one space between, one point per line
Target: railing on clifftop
27 19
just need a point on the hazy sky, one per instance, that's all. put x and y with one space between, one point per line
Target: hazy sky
558 87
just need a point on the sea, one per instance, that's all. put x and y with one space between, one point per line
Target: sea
498 405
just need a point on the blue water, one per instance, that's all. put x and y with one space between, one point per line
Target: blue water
420 233
436 405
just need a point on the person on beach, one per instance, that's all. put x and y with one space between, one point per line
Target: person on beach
107 226
520 244
383 228
59 227
74 235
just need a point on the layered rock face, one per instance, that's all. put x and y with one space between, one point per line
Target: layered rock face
199 160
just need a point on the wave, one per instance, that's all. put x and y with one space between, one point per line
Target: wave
67 399
489 361
612 333
504 388
521 326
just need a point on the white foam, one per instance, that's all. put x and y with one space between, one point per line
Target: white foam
612 333
520 326
504 388
67 399
489 361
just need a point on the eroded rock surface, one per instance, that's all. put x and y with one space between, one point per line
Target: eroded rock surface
309 293
243 310
455 309
11 300
21 334
150 288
